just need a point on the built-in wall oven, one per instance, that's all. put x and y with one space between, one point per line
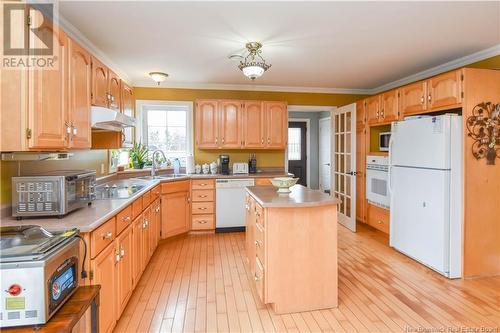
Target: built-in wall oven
377 171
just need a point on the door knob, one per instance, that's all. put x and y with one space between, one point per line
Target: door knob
327 164
352 173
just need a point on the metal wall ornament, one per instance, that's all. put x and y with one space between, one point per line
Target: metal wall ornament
484 128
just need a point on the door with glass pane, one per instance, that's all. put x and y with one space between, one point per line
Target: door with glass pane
297 151
344 162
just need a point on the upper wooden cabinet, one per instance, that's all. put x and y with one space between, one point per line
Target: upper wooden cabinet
276 116
360 114
79 96
230 131
372 107
413 98
241 124
100 78
114 91
128 108
389 106
445 90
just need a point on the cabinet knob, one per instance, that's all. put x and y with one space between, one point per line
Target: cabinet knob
422 100
429 98
202 221
202 208
256 278
202 196
126 218
107 235
258 243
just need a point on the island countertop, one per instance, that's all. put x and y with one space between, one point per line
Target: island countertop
268 197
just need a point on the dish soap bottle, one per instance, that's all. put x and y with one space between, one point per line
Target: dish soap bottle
177 166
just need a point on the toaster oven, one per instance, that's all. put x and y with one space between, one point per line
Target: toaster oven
54 193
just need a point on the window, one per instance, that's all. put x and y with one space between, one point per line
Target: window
168 126
294 144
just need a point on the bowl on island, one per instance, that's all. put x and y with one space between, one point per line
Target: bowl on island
284 183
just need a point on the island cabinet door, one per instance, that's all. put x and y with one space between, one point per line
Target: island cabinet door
250 233
253 124
137 249
124 269
103 273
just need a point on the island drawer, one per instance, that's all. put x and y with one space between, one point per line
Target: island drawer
203 222
202 184
102 237
123 219
203 195
259 279
202 208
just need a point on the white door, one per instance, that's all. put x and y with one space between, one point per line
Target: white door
325 154
344 164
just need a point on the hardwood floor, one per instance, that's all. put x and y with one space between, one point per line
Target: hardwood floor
200 283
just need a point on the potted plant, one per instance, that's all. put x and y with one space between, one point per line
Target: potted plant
138 155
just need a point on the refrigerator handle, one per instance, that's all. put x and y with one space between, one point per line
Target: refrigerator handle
389 175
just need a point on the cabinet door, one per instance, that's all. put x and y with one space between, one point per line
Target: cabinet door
360 172
124 269
175 216
276 115
114 90
80 71
360 114
253 124
389 106
412 98
103 270
146 237
48 97
206 124
137 249
128 108
100 77
445 90
250 233
230 124
372 108
153 238
158 220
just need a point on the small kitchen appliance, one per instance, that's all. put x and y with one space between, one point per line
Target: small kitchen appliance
252 164
224 164
52 193
240 168
383 141
230 203
39 273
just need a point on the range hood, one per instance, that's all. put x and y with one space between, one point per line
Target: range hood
109 120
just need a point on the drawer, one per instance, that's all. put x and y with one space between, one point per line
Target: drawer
202 184
203 222
378 218
155 192
136 208
146 199
259 278
203 195
175 186
123 219
202 208
259 243
102 237
259 213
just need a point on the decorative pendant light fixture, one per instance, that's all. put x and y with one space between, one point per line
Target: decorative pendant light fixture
253 66
158 77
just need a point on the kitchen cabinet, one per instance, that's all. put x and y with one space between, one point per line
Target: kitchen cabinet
445 90
230 130
48 99
360 162
203 204
372 107
276 124
128 108
234 124
253 124
100 79
250 232
207 124
114 91
175 209
413 98
146 237
378 218
156 206
103 272
137 259
80 71
389 109
124 269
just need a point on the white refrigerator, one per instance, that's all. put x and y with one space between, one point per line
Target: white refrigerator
425 185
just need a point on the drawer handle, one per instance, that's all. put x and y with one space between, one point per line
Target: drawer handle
202 196
202 184
256 278
258 243
126 218
107 235
122 252
259 227
202 221
380 222
202 208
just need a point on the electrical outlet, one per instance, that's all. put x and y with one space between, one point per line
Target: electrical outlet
102 168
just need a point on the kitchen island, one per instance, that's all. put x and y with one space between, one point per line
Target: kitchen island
291 247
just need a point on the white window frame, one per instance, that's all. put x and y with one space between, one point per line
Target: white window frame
142 121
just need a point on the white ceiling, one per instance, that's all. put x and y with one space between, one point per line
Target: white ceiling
350 45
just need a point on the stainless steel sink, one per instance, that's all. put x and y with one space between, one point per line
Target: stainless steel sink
160 177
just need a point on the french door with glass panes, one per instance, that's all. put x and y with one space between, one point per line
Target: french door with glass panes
344 162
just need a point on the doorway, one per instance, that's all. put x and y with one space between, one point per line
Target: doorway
325 155
297 150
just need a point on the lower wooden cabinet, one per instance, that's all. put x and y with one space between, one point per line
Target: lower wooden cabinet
124 271
137 249
203 205
175 209
146 237
103 272
378 218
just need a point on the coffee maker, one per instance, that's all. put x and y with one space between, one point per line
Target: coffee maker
224 164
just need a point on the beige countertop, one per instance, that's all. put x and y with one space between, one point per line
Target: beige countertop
89 218
300 196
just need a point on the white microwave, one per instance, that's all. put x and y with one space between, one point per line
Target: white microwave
383 141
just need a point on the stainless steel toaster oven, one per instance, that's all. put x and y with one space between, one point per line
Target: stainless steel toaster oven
54 193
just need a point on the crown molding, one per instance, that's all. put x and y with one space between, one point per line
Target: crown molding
310 108
450 65
78 36
248 87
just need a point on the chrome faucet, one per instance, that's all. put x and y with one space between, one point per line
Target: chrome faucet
154 166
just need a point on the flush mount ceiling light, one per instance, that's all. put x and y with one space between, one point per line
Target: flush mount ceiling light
253 65
158 77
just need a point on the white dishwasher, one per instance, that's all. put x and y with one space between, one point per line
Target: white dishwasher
230 203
